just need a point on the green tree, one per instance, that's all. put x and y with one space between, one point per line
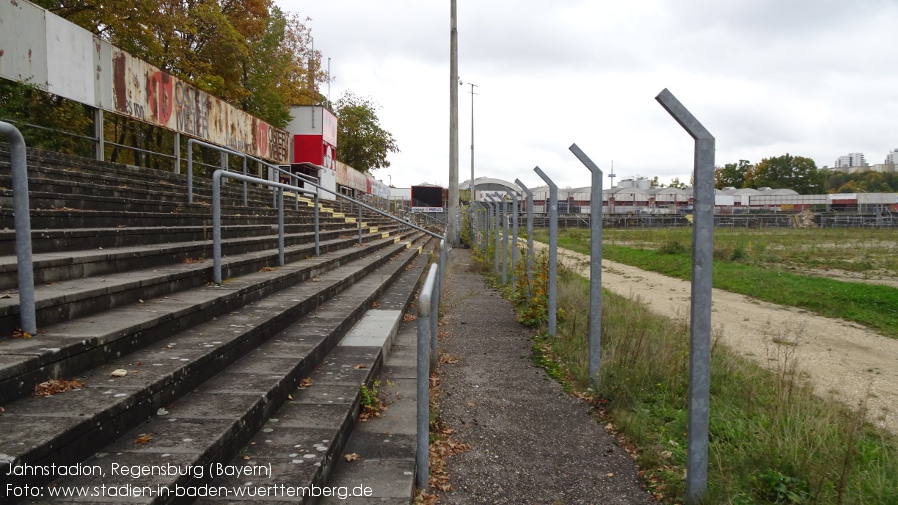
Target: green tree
675 183
731 175
786 171
361 142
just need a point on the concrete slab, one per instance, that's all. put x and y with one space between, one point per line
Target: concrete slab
376 329
388 479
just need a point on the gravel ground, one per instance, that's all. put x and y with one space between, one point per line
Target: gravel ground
839 358
529 441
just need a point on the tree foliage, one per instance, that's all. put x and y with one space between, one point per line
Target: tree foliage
861 182
247 52
731 175
361 142
786 171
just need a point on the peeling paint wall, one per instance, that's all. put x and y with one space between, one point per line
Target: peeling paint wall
39 47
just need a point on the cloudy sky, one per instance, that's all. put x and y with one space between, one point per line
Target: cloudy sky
814 78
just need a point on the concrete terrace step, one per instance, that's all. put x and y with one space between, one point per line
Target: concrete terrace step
386 445
51 267
230 375
197 215
73 346
73 239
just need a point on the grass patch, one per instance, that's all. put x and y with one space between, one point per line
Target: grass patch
772 440
874 306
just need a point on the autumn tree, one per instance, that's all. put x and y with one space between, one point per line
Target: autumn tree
731 175
361 142
786 171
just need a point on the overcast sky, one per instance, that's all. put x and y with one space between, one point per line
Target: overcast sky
814 78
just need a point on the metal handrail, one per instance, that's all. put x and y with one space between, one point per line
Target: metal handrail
427 355
224 166
216 214
22 223
366 206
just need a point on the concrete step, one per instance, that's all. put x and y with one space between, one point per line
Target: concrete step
386 445
195 215
79 343
70 264
73 239
218 383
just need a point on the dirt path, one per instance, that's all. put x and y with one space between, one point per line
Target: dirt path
839 357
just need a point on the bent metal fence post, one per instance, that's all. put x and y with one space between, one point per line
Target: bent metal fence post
529 238
553 249
700 310
514 236
495 231
595 264
22 223
504 203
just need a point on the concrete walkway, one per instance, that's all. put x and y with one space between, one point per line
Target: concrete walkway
529 441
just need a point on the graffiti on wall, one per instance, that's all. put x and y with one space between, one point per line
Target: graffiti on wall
144 92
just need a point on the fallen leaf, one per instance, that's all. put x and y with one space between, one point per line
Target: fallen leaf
266 269
609 475
246 456
143 439
161 412
5 295
139 301
121 372
54 386
351 457
18 333
305 382
408 317
358 367
374 305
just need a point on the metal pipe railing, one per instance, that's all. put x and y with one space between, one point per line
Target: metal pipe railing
427 356
216 214
423 379
225 152
306 180
22 223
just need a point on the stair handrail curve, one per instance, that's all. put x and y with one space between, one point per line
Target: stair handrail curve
22 224
223 150
427 355
216 214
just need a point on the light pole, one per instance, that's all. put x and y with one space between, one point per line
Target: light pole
472 140
452 228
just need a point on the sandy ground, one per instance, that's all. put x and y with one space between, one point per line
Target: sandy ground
838 357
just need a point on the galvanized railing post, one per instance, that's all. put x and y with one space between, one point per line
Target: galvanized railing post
281 226
423 379
595 264
245 185
435 306
553 250
529 238
216 226
360 224
700 311
22 223
317 232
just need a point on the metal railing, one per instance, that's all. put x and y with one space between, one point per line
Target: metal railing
22 223
216 214
427 356
306 180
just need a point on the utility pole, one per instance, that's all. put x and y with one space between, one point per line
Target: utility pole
452 217
472 142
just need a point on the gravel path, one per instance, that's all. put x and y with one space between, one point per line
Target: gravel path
529 441
838 357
